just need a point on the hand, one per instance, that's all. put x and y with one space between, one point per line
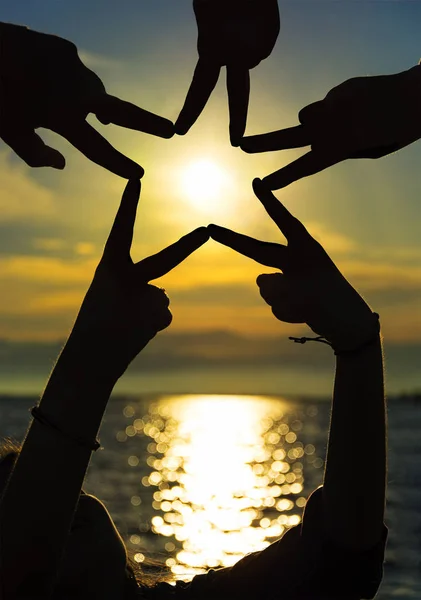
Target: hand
45 84
121 313
365 117
310 288
235 33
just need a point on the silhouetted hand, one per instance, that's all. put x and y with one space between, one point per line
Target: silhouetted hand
365 117
310 288
45 84
235 33
121 313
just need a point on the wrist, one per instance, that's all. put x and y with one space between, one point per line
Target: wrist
358 339
100 357
369 350
85 366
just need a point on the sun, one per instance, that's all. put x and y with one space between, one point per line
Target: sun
205 185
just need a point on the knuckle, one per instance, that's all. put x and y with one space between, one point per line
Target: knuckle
157 297
163 319
167 319
67 46
33 161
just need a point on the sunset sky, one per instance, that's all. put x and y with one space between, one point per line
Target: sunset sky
366 213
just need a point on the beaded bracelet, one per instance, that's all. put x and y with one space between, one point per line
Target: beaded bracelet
39 416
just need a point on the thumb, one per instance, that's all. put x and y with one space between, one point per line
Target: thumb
30 148
272 287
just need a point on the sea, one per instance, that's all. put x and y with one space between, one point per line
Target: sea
198 481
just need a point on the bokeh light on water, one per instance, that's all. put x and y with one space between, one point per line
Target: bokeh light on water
227 473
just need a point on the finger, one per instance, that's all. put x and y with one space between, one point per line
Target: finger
289 225
272 286
276 292
163 262
309 164
265 253
109 109
95 147
238 87
313 113
30 148
121 235
204 81
293 137
377 152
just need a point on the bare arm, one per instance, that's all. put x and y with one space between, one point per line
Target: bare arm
121 313
312 290
37 508
355 474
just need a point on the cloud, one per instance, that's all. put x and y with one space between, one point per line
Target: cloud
48 244
22 198
45 269
332 241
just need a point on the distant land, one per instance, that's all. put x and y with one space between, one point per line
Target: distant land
213 362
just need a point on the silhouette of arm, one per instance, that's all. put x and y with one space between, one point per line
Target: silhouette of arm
357 443
364 117
43 83
120 314
312 290
235 34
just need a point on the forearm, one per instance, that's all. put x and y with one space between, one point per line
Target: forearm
355 475
49 474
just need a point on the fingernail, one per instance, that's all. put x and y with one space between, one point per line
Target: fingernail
180 129
267 184
168 131
138 173
257 185
202 232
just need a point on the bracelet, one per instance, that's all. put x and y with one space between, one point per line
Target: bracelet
337 351
41 418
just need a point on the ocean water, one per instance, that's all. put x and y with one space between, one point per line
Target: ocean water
198 481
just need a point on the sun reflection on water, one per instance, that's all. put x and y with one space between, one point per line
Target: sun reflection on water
227 472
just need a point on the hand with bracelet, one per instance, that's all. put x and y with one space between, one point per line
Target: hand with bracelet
312 290
66 532
338 549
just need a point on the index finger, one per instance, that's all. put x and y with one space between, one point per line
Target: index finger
238 88
95 147
121 235
205 78
283 139
110 109
265 253
289 225
163 262
309 164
